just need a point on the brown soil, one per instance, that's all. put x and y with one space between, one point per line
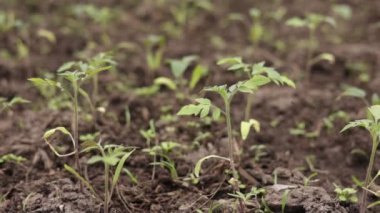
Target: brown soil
41 184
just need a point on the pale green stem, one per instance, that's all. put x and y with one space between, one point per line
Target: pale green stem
375 143
106 187
76 130
230 139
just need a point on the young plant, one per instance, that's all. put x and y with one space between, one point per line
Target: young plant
74 74
347 195
237 65
11 158
300 130
372 124
163 150
182 12
8 105
110 156
312 22
245 199
256 30
149 135
155 46
204 106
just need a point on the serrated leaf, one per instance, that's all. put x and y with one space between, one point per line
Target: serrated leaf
375 111
66 66
256 81
358 123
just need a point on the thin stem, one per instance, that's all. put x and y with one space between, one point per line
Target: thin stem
248 107
230 139
363 202
76 130
309 54
106 187
95 89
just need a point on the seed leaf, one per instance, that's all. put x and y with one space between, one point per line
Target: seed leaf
245 127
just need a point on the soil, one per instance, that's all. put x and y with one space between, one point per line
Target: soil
40 184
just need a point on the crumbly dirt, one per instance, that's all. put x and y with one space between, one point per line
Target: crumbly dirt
41 184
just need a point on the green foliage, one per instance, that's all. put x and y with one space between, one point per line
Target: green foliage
110 156
198 166
259 151
245 127
253 194
155 46
49 133
163 150
284 200
312 21
99 15
372 125
11 158
300 130
7 105
343 10
348 195
8 21
329 121
256 31
79 177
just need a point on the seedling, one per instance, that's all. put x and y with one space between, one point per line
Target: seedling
256 30
372 124
204 106
346 195
109 155
236 64
163 150
8 105
339 115
73 73
310 178
182 12
155 46
11 158
312 22
178 68
245 199
149 135
300 130
259 152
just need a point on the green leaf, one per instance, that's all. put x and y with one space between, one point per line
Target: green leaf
296 22
198 165
375 111
166 82
119 168
198 72
178 67
52 131
190 109
93 72
66 66
256 81
79 177
230 61
245 127
353 92
95 159
358 123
